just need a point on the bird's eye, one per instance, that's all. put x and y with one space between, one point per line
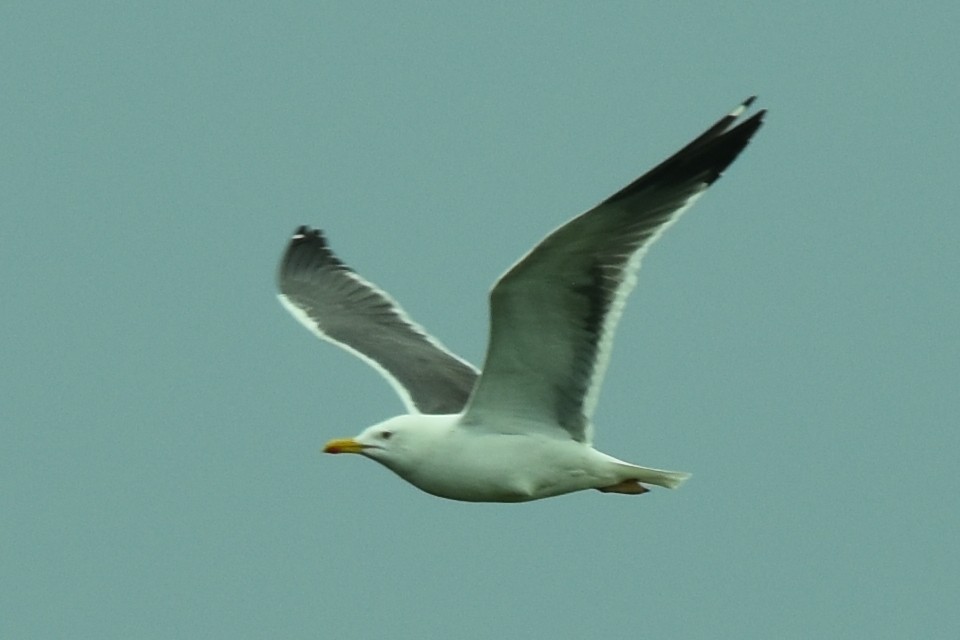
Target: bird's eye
386 435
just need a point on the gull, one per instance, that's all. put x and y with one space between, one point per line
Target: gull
521 429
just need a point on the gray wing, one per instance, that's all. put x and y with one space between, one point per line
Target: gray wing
553 314
340 307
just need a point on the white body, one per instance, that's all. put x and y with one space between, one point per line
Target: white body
438 455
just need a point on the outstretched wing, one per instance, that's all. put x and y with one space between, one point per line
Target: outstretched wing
340 307
553 314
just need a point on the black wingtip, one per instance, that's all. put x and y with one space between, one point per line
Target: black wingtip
308 249
304 232
706 157
309 237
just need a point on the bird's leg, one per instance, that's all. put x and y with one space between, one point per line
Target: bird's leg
631 487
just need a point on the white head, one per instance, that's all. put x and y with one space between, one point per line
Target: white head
396 443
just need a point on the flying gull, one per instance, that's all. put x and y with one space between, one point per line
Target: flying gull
520 430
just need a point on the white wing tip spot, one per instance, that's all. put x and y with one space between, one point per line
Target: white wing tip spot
743 107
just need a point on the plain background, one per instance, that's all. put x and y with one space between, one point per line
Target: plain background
793 341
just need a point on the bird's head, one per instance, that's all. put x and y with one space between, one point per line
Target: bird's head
394 443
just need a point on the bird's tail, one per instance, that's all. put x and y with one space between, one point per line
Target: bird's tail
659 477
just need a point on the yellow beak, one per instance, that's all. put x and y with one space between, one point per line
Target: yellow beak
343 445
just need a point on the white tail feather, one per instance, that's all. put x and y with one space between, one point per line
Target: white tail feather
659 477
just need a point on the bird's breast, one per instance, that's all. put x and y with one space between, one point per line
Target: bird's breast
502 468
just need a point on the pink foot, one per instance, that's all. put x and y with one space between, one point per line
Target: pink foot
630 487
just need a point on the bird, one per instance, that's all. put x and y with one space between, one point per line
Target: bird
521 428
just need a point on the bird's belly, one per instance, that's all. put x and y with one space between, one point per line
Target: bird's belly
500 468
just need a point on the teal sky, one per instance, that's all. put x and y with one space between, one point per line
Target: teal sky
793 341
